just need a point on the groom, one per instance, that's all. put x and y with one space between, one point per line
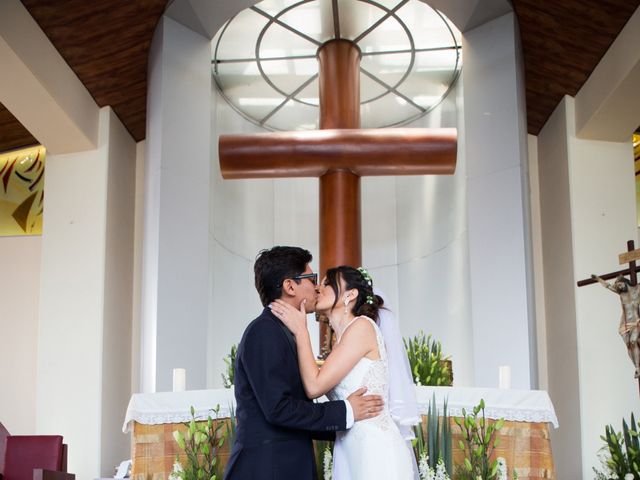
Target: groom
276 421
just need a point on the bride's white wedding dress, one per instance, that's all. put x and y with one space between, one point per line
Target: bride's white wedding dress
374 448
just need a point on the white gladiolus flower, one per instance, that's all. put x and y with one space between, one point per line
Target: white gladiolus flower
441 471
424 470
502 469
328 464
628 476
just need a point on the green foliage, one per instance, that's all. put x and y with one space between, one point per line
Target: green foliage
436 441
201 444
231 427
230 360
479 440
428 365
622 451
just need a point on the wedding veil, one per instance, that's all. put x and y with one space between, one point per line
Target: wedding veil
403 404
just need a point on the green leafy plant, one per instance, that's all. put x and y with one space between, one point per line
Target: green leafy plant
434 444
201 444
428 365
479 441
230 360
621 457
231 427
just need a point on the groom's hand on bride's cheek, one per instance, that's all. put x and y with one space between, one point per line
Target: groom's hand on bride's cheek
365 406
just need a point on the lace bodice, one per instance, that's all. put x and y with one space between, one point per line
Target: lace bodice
373 374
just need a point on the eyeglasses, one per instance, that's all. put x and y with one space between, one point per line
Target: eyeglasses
311 276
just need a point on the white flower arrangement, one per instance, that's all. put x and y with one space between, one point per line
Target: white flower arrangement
428 473
328 464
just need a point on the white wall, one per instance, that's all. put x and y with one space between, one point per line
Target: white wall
588 214
19 298
84 334
603 216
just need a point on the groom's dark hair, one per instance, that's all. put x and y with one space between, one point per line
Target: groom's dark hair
274 266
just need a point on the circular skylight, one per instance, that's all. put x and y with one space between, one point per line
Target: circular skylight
264 59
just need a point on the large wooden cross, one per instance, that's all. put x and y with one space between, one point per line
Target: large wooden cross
339 154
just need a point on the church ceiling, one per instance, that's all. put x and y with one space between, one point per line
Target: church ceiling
106 43
562 42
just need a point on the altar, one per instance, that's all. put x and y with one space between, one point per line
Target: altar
526 444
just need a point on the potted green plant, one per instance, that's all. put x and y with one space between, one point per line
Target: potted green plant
620 455
432 445
480 438
230 360
428 365
201 444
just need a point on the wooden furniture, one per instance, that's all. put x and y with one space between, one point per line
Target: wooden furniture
35 457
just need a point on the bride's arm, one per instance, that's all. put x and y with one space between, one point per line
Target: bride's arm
356 342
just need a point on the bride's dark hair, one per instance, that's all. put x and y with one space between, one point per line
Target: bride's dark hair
367 302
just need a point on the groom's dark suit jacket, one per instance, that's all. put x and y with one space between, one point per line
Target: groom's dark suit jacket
276 420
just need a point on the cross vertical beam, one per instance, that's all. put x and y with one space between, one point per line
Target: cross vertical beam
339 65
340 226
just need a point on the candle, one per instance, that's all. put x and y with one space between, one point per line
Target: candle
179 379
504 377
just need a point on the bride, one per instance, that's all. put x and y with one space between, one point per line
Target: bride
368 348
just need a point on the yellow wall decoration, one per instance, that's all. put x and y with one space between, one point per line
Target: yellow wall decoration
22 191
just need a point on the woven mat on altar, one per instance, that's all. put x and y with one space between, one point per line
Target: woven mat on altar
154 450
523 445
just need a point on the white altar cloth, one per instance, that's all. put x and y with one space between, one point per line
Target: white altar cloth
174 407
515 405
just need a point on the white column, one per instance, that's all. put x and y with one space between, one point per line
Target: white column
559 292
497 198
175 272
84 331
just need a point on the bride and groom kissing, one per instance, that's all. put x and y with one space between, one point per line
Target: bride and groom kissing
366 378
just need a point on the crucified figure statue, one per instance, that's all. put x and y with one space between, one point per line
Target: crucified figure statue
629 328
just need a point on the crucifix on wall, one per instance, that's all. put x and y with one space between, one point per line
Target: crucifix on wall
629 293
339 153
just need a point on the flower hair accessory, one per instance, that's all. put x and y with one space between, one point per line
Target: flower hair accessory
369 281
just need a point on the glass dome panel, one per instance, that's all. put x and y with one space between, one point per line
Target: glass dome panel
264 59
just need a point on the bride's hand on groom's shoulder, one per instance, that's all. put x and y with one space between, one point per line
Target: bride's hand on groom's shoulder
294 319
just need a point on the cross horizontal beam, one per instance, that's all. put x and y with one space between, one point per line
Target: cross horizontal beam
401 151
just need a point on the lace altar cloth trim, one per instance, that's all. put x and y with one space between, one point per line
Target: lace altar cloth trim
515 405
532 406
174 407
